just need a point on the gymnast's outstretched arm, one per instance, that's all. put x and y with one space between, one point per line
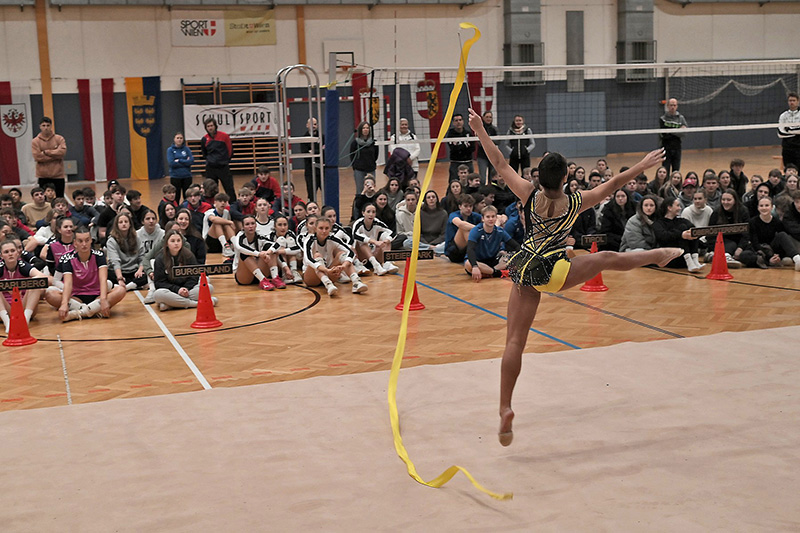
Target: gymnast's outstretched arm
594 196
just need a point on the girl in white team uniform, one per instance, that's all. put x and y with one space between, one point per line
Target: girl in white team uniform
312 210
285 251
264 223
348 237
377 238
250 260
326 257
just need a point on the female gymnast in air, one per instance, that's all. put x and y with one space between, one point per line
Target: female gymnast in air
541 264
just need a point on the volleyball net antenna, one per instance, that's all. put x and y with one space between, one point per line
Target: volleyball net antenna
587 110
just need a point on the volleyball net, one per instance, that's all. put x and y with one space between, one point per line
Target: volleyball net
586 110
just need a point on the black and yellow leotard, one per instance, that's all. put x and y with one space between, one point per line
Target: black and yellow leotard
542 260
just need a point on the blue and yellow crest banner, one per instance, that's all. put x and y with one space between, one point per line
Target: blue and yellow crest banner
144 125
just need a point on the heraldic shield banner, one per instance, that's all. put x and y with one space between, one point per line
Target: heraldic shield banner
16 131
144 125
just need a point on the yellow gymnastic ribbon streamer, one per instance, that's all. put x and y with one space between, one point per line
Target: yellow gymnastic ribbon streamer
445 476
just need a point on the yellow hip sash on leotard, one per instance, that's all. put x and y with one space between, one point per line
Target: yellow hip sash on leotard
557 277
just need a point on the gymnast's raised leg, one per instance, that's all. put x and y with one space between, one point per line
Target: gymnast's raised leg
524 302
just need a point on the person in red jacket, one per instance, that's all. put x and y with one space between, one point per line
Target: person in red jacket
264 185
217 150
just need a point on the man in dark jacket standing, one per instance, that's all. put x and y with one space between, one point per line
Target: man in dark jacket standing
460 151
217 150
671 142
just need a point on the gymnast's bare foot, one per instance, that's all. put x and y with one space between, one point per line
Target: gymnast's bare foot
505 435
667 255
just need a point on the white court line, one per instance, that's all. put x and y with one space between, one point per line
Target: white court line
178 347
64 368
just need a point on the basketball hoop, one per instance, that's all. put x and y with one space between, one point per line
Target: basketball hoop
347 72
344 73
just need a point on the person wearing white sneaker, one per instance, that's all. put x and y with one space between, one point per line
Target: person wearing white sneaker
376 238
347 237
172 291
217 223
251 260
60 243
731 262
484 246
325 257
85 275
390 267
766 229
125 255
675 232
12 267
359 287
149 235
731 211
283 251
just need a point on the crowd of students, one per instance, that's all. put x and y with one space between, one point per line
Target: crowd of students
661 212
643 215
93 251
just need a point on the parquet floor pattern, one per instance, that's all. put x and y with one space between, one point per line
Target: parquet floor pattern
296 333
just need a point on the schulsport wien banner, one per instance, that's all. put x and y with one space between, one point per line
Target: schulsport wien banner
239 120
223 28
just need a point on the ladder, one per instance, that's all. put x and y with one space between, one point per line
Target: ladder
285 139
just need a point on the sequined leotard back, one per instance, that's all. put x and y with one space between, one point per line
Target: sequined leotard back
544 244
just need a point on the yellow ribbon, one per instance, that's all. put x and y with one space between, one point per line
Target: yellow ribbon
445 476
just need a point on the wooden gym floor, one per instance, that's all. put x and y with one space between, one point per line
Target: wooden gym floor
297 333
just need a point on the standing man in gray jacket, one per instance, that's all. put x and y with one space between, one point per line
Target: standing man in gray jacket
671 142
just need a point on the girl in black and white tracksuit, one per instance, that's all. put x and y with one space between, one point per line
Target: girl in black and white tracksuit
285 251
348 237
326 258
376 238
264 223
250 259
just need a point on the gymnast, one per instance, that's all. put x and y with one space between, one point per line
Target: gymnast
541 264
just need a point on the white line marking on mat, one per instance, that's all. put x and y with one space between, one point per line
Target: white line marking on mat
186 359
64 368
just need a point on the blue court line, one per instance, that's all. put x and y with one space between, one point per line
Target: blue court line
542 333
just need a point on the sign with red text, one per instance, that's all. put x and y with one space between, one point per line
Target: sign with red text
223 28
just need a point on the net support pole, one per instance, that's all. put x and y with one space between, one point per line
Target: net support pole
331 151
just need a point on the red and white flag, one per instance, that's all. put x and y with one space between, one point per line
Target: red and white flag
481 90
16 132
97 118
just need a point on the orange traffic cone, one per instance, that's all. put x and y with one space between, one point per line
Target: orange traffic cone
18 334
596 283
205 307
719 266
416 305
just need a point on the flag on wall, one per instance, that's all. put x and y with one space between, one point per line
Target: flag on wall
367 104
97 118
144 125
429 109
482 92
17 129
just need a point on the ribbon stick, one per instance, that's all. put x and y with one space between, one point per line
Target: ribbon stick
397 361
